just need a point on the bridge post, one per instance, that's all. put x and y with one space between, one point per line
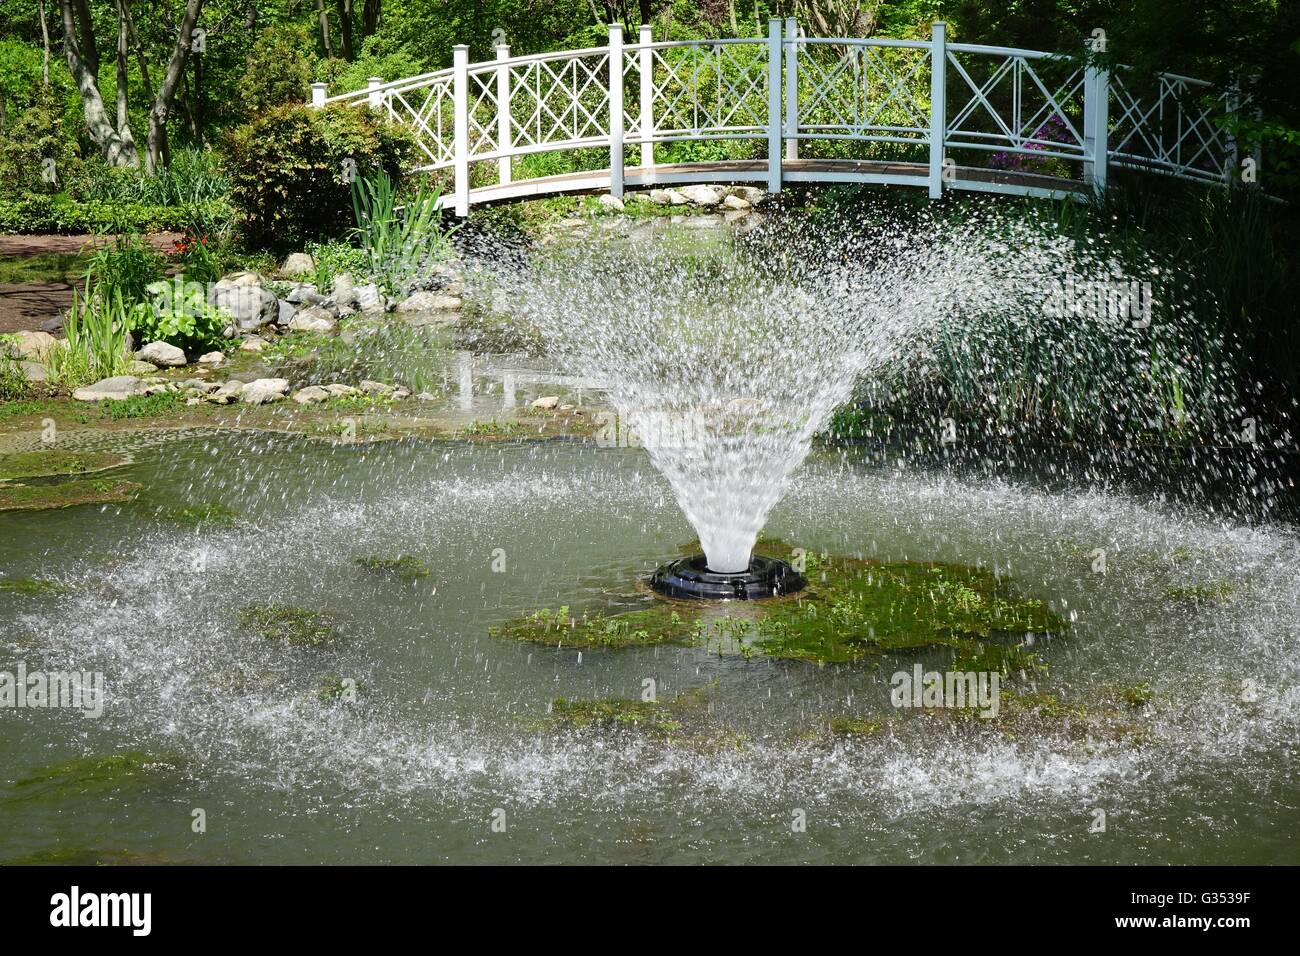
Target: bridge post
374 99
505 133
774 105
1096 104
938 106
460 125
647 57
616 110
792 88
318 91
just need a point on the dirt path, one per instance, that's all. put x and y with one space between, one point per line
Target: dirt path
37 305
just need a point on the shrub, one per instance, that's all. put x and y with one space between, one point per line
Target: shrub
179 315
291 169
402 244
276 71
126 266
32 213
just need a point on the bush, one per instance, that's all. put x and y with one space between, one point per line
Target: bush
276 71
292 166
179 315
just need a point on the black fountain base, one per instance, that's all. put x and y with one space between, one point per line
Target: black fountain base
691 578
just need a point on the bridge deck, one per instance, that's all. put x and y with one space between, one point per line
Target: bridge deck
792 171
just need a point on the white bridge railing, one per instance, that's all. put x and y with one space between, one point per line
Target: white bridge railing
922 98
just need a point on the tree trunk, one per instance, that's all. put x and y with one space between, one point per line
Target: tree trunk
158 154
45 47
369 17
123 115
345 27
98 125
324 27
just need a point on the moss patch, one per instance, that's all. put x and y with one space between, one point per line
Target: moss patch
288 624
210 514
54 461
65 494
80 777
1201 593
29 586
851 609
332 687
407 567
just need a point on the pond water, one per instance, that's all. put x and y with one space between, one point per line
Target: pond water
448 733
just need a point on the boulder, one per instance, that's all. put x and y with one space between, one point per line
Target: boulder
344 291
668 197
548 402
29 345
304 293
371 299
287 311
702 195
250 306
162 354
311 395
226 392
34 372
140 367
242 278
338 389
264 390
298 264
426 397
429 302
611 202
314 318
751 194
252 343
212 359
116 388
737 202
370 387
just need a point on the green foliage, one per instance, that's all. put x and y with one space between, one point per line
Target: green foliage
94 345
194 177
402 245
291 169
276 71
288 624
140 406
127 265
32 213
335 258
180 315
32 139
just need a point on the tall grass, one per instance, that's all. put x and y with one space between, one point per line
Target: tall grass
95 342
193 177
402 242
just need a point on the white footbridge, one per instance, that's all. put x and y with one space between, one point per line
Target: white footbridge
932 114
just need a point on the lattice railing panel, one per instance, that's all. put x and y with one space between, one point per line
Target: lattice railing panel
1178 126
560 101
710 90
429 111
1017 105
860 91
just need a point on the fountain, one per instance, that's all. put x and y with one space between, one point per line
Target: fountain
725 357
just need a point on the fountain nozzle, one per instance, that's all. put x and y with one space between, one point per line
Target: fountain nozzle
691 578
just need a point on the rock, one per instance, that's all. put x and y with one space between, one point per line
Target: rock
252 344
264 390
736 215
242 278
667 197
311 395
611 202
250 306
751 194
702 195
370 387
548 402
304 293
297 264
400 393
314 319
162 354
52 325
140 367
212 359
200 386
338 389
428 302
226 392
701 222
370 299
737 202
116 388
344 292
34 372
29 345
426 397
286 313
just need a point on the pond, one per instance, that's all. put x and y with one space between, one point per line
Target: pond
297 639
